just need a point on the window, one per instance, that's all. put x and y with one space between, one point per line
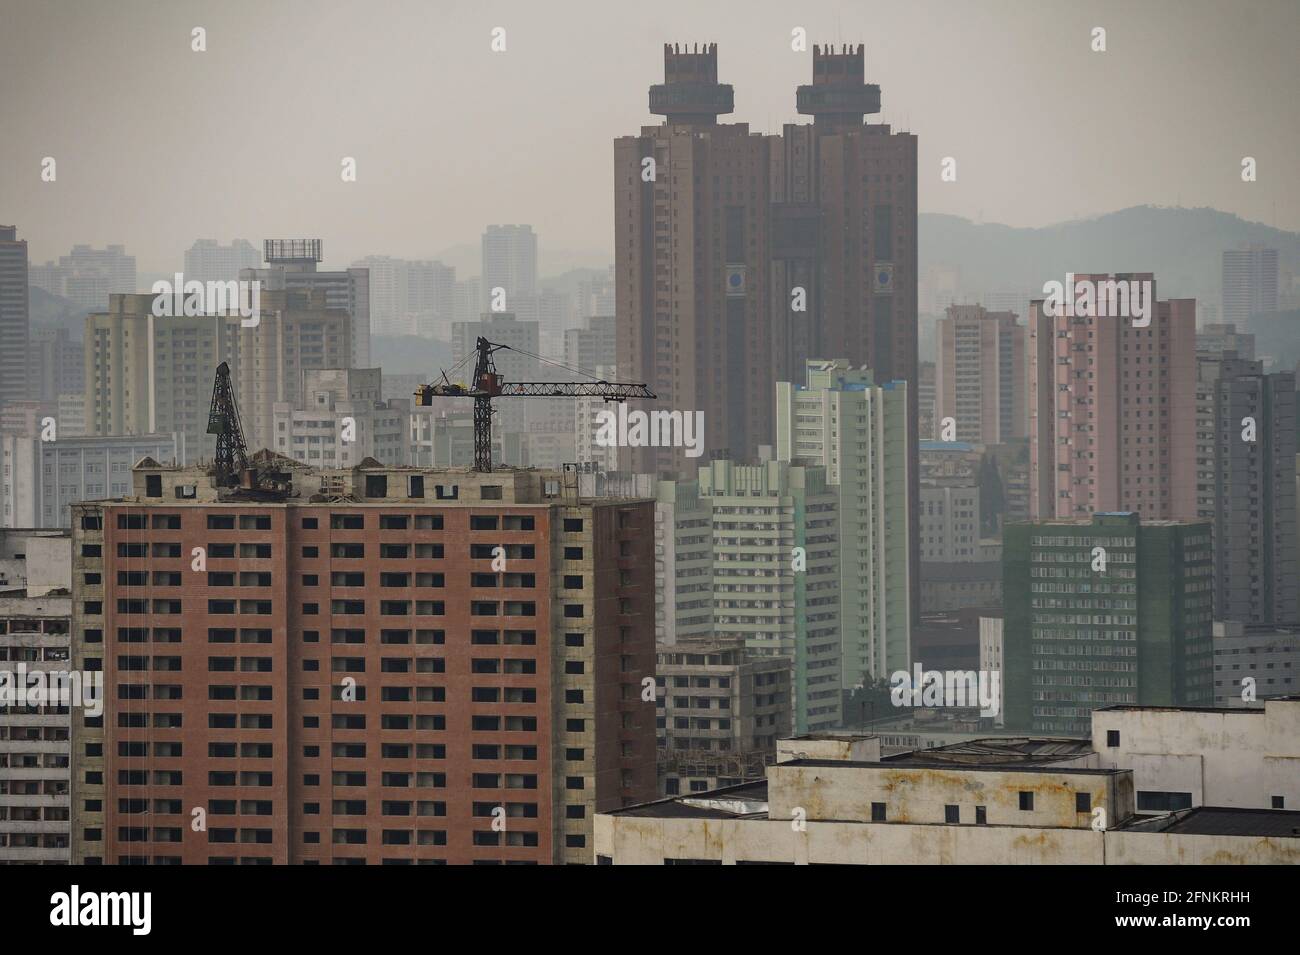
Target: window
1112 738
1163 801
877 812
1279 802
1026 802
1083 802
952 815
981 816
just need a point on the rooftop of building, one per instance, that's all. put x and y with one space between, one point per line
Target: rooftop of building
1137 707
367 483
994 765
1223 821
997 753
745 801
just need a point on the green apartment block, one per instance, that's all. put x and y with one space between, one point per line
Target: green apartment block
779 600
1104 611
858 431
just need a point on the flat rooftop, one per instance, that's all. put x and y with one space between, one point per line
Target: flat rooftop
746 801
1017 752
1186 709
1225 821
991 767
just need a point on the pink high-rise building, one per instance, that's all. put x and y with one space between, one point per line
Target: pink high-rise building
1112 403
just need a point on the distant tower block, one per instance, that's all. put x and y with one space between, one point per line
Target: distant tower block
292 252
839 94
691 93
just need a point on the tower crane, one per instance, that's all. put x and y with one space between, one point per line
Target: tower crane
488 384
257 476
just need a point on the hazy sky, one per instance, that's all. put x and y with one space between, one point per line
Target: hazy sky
157 145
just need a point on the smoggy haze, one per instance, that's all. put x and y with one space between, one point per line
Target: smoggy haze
157 145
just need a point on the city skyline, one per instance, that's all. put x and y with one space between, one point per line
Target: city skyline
538 165
815 541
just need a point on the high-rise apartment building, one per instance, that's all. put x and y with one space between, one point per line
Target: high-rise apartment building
683 564
1112 407
207 260
776 574
146 374
980 375
1110 610
409 297
340 419
516 362
57 364
859 431
293 264
443 437
353 676
740 256
13 316
35 763
87 276
509 257
1249 283
1246 487
592 345
1214 339
721 711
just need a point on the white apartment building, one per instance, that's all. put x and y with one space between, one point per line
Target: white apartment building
341 420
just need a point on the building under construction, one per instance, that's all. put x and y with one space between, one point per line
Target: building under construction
721 710
366 665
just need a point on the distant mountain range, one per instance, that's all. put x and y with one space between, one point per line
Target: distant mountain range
1182 247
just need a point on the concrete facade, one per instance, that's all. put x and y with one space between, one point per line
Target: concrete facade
340 420
1267 656
14 319
1083 628
721 712
993 801
40 480
761 513
1246 486
35 747
980 374
1112 423
859 431
147 374
1184 757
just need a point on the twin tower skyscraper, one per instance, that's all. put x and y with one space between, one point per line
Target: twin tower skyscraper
739 255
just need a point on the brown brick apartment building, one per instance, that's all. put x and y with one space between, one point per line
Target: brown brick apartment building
388 665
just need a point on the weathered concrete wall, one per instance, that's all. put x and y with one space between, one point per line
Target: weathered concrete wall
633 840
1165 848
1238 758
920 794
828 747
